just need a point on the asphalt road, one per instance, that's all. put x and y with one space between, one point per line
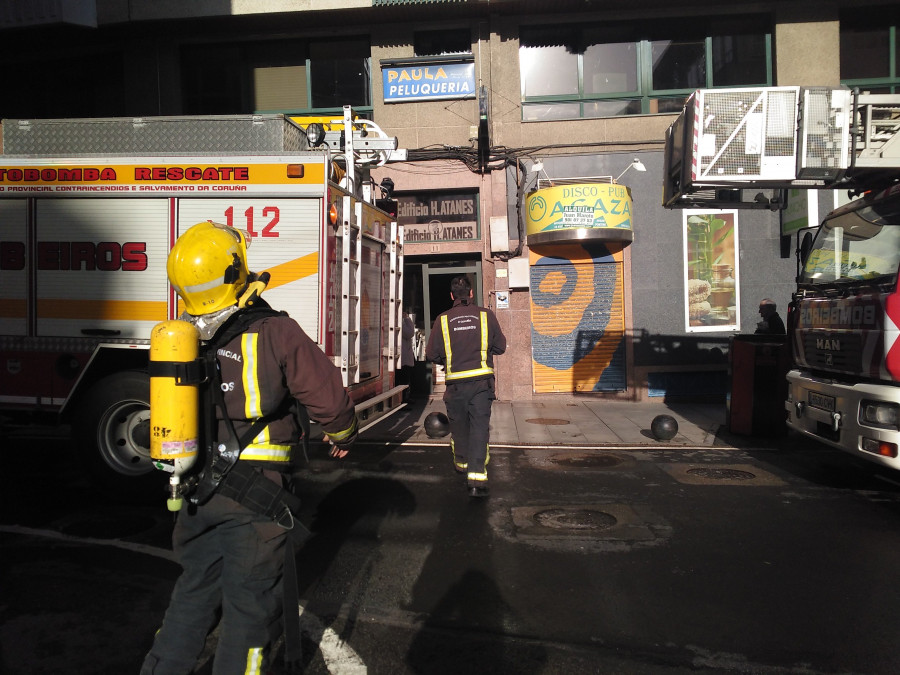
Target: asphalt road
777 559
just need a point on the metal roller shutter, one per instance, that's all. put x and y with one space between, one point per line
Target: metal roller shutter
578 327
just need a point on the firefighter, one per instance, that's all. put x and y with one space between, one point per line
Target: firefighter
464 339
237 532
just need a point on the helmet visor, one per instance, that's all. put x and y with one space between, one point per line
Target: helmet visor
243 236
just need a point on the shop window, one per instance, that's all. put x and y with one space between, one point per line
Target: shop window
286 76
869 55
571 72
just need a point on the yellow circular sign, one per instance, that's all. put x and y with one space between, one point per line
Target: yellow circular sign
579 211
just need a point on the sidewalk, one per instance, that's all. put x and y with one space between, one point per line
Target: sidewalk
579 422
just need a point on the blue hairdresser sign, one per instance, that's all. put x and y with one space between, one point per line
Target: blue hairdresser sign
428 82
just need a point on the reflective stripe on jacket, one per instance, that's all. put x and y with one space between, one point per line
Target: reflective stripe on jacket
450 372
272 360
464 339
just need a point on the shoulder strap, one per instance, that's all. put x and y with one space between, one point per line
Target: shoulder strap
223 454
239 322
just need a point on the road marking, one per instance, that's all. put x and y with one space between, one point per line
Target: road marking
59 536
339 657
886 479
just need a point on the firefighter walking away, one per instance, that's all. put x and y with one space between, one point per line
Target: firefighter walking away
465 339
262 379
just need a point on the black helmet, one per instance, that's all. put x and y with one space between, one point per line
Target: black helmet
436 425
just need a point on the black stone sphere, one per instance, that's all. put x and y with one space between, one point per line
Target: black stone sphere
664 427
436 425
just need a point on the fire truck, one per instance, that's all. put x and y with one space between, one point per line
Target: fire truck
843 385
89 209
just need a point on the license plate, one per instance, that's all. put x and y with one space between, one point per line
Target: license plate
821 401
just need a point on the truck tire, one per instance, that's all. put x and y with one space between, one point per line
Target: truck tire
112 432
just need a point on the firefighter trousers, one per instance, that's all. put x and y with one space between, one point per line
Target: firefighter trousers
233 561
468 406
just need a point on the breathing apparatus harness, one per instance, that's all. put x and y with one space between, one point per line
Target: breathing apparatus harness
220 469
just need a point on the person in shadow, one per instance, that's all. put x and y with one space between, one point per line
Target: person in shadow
771 323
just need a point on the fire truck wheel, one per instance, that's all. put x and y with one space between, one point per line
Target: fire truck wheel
112 429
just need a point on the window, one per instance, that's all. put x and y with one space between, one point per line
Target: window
571 72
91 86
860 245
441 42
870 58
289 76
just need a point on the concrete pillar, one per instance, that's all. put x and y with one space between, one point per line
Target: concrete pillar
807 53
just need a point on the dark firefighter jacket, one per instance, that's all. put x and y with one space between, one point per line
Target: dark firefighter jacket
464 339
272 359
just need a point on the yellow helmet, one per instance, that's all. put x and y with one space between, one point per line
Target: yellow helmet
207 266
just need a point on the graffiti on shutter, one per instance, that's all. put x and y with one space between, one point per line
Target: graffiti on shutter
578 319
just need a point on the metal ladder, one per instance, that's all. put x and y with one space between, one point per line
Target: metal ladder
351 270
351 283
395 318
876 131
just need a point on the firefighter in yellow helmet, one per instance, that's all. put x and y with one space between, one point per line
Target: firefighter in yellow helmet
238 530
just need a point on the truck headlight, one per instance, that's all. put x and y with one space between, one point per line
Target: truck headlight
880 414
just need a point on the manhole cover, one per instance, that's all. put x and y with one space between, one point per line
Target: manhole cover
575 519
550 421
586 461
721 474
108 528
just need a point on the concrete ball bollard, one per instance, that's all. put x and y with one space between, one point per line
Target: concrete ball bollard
664 427
436 425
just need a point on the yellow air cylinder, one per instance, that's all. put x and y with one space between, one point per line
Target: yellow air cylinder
174 406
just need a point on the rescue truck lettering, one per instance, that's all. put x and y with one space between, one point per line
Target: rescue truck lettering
273 213
106 256
839 313
206 173
833 345
86 174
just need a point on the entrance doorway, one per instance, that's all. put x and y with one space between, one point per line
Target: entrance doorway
426 294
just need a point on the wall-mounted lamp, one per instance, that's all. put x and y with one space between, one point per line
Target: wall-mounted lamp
538 168
636 164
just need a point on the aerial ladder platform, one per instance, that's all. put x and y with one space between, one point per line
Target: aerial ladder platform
743 148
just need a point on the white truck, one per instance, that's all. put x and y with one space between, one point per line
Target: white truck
844 381
89 209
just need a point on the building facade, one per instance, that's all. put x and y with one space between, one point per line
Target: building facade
514 121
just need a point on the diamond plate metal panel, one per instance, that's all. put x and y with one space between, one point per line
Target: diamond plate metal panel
239 134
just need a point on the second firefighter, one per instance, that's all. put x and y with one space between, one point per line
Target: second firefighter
464 339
